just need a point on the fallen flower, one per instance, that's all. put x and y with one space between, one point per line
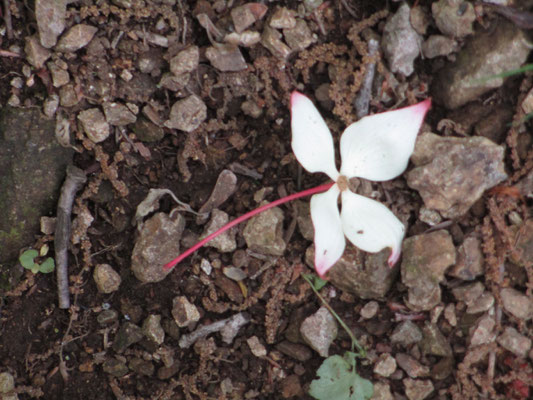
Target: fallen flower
376 148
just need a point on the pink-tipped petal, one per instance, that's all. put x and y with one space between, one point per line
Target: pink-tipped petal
370 225
378 147
329 237
312 143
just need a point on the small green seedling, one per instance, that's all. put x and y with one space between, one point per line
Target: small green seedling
337 376
27 260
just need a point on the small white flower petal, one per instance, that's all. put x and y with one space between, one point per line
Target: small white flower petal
370 225
312 142
378 147
329 236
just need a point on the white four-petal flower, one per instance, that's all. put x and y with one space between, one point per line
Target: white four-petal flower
376 148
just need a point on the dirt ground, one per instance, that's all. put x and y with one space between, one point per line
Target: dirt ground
72 354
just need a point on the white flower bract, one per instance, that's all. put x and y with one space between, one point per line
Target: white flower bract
376 148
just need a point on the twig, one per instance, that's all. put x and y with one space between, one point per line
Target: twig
365 93
7 19
232 324
73 182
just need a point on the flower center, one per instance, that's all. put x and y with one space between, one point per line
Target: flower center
342 182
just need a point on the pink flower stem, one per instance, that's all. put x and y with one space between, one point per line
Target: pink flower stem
308 192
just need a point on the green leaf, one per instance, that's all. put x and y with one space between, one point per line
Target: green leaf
26 258
316 281
339 380
47 266
35 268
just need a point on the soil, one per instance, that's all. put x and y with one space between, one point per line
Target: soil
60 354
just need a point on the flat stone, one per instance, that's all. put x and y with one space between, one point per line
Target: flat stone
184 312
76 38
481 304
411 366
256 347
51 105
400 42
417 389
483 331
502 47
271 40
300 37
94 124
157 244
382 391
434 342
303 219
385 365
68 96
470 261
425 259
106 278
153 330
242 17
366 275
60 76
454 17
451 173
369 310
319 331
107 317
185 61
127 335
264 232
147 131
226 58
517 303
32 165
187 114
142 367
295 350
35 53
406 333
438 45
50 16
224 242
283 18
469 292
115 367
118 114
515 342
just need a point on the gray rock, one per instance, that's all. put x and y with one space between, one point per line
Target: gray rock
366 275
60 76
411 366
483 331
385 365
481 304
226 58
400 42
369 310
256 347
174 83
499 49
127 335
295 350
305 224
118 114
68 96
224 242
517 303
417 389
184 312
515 342
524 242
283 18
115 367
451 173
470 261
94 124
469 292
434 342
35 53
438 45
187 114
185 61
147 131
107 317
300 37
157 244
50 17
406 333
142 367
454 17
7 382
32 169
264 232
319 331
425 260
76 38
106 278
381 391
153 330
50 105
271 40
242 17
